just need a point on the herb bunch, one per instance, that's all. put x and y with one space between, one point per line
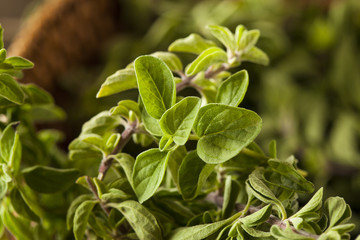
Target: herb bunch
200 174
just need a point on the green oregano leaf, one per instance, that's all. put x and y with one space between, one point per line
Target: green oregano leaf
178 121
124 107
231 193
19 63
285 175
127 162
262 192
198 232
337 210
2 54
18 226
3 188
224 131
192 175
224 35
256 233
120 81
49 180
141 220
81 218
21 207
176 157
73 206
313 205
115 194
257 217
248 40
11 149
10 89
100 123
256 55
287 233
37 96
240 29
272 149
166 142
194 43
149 170
156 85
210 56
151 124
232 91
93 139
171 60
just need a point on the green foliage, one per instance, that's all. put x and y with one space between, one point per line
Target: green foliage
198 174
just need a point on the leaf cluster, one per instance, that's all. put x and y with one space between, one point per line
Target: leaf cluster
201 175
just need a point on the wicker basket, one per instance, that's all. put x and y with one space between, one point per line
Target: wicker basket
63 34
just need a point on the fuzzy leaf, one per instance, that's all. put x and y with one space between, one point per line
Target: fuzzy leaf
224 35
19 63
232 90
100 123
256 55
149 170
210 56
126 161
21 207
261 191
194 43
166 143
93 139
224 131
199 232
81 218
248 40
192 175
175 159
178 121
2 54
141 220
124 107
10 147
258 217
239 31
281 234
10 89
73 206
49 180
37 96
285 175
256 233
151 124
120 81
115 194
171 60
156 85
313 205
337 210
17 225
231 193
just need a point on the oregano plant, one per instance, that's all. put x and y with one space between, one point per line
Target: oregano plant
197 174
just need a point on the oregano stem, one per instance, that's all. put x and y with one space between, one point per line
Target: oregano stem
94 191
125 137
209 73
273 220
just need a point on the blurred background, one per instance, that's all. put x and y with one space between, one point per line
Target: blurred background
308 96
